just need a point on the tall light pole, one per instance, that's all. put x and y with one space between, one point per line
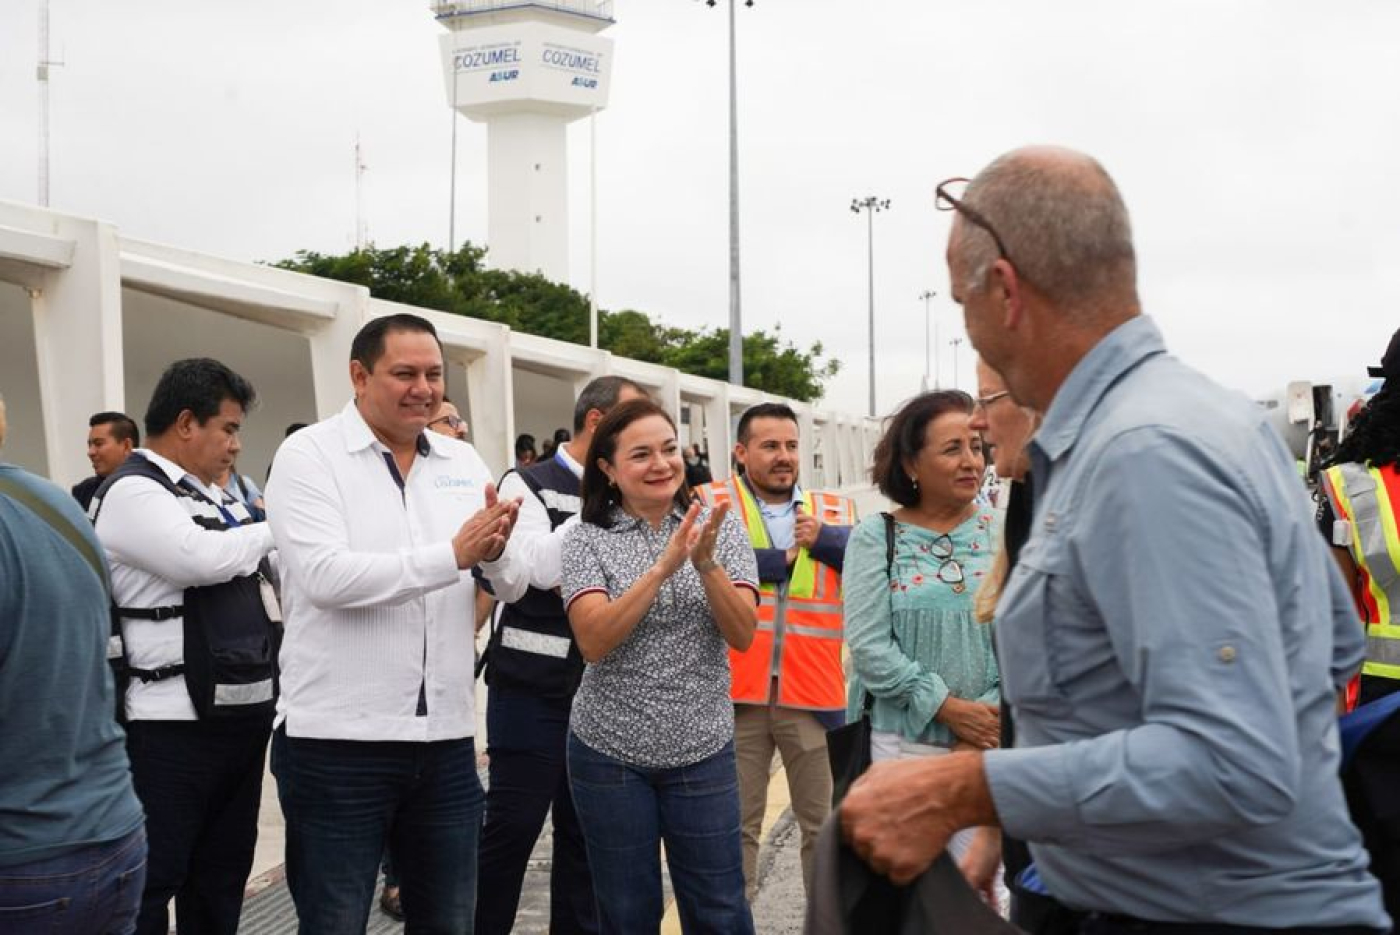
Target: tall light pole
871 204
736 328
926 295
955 342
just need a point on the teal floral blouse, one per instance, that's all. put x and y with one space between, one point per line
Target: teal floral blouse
911 632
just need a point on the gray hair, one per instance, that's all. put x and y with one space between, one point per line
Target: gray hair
1063 222
601 393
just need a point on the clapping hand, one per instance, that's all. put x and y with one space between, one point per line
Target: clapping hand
702 549
483 536
694 539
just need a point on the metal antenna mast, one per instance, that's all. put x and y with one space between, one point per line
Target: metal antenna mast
361 227
42 74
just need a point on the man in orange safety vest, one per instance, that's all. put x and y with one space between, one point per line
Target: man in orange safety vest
788 687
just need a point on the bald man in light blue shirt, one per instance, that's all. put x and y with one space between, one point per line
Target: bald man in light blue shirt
1174 634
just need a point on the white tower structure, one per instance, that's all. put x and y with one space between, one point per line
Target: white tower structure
526 70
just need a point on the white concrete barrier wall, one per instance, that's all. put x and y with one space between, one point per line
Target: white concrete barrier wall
89 319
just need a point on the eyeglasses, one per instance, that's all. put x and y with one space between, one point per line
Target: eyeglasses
455 423
950 570
944 200
984 402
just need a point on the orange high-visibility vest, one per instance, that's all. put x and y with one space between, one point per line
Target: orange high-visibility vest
1369 499
798 639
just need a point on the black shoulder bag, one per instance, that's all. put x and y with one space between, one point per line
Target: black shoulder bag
848 747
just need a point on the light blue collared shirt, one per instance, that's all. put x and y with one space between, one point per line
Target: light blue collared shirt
1170 642
780 518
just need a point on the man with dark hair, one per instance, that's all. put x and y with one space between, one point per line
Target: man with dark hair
377 522
525 454
533 668
197 644
111 437
72 847
1174 634
788 687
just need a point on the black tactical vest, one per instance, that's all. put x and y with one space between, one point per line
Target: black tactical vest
533 651
232 630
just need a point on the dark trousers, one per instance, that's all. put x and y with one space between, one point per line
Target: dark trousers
344 799
529 776
94 889
201 784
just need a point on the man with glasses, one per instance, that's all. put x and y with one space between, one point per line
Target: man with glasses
1174 633
448 421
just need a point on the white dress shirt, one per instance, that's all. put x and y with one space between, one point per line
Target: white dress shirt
531 558
375 608
156 551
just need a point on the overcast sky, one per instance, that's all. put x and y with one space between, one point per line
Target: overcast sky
1256 144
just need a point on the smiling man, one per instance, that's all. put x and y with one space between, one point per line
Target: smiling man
111 437
378 522
788 687
196 679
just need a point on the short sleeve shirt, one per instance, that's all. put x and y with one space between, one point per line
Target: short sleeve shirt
660 699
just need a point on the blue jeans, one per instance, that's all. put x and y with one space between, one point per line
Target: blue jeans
90 890
344 799
627 811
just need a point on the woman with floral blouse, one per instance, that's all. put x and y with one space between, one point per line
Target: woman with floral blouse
916 646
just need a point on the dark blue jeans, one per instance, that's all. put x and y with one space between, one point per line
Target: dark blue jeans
529 777
343 799
201 785
627 811
90 890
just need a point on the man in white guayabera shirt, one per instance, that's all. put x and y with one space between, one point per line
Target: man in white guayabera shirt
378 523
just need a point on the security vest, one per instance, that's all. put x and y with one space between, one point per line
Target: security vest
232 630
1369 498
799 633
533 649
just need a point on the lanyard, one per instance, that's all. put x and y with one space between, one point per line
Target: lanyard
228 517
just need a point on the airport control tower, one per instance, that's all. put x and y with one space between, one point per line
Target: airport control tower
527 70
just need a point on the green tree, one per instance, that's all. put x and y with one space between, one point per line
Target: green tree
460 283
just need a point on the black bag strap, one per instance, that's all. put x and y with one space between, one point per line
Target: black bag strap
60 525
889 542
889 567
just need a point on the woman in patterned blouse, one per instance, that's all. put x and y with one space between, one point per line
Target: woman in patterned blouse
916 645
657 590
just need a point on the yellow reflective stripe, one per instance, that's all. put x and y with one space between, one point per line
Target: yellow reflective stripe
753 519
1384 650
1358 524
1381 670
803 581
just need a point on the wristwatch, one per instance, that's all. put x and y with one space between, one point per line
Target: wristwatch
707 565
